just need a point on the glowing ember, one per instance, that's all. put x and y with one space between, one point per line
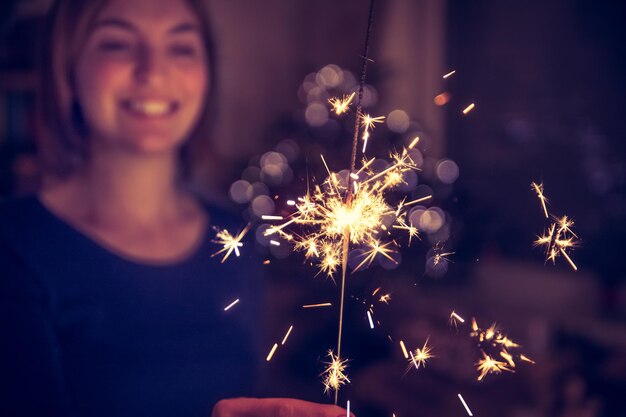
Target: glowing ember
469 108
488 365
404 351
492 343
229 306
558 238
286 335
229 242
465 405
420 356
539 190
317 305
269 356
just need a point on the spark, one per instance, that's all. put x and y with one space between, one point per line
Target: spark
332 211
369 317
286 335
348 409
268 217
404 351
340 106
465 405
558 237
449 74
454 316
493 343
414 142
291 203
469 108
269 356
508 358
542 198
488 365
334 375
385 298
231 305
420 356
368 122
317 305
454 319
274 242
230 243
441 257
266 262
376 249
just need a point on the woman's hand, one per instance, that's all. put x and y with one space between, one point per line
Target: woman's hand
274 407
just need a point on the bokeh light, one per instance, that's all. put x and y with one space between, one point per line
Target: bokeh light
447 171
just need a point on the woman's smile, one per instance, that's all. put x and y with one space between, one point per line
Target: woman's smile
150 108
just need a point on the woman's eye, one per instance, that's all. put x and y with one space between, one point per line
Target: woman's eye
114 46
183 50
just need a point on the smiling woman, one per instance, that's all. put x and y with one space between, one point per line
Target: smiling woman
144 64
111 303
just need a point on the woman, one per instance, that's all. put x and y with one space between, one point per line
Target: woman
111 303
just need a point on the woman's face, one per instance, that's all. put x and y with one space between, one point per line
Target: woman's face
141 77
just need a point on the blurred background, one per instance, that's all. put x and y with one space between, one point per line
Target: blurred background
546 80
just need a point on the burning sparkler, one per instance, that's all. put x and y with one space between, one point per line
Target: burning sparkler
335 210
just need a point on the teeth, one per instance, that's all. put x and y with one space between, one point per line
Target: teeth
150 107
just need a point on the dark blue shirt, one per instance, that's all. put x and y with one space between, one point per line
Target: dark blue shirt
85 332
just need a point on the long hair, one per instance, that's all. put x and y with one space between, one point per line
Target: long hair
63 142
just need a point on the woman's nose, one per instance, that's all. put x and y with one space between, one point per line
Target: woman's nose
150 67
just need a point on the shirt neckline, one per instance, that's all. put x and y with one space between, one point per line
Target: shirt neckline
199 247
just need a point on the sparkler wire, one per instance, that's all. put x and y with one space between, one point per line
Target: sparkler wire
355 139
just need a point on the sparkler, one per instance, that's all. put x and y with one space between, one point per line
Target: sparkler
558 237
229 242
351 212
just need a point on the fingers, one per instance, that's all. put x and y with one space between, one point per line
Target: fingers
275 407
